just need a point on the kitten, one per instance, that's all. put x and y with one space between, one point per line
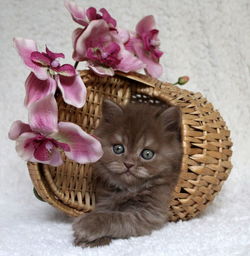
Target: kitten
136 175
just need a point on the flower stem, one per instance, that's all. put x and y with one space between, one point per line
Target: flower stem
76 64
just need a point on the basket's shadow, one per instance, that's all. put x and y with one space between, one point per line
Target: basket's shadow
57 216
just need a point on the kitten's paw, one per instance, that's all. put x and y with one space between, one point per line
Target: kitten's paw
99 242
83 242
89 228
80 241
83 236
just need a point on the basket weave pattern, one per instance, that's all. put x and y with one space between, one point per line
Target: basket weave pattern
206 143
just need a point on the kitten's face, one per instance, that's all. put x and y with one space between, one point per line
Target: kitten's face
134 162
137 147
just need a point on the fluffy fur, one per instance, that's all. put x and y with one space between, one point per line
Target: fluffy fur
132 192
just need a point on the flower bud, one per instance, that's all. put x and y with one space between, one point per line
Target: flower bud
182 80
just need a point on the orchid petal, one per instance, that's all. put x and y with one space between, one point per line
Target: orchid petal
40 59
96 34
18 128
78 14
43 115
63 146
130 45
157 53
37 89
66 70
84 148
73 90
55 158
154 34
129 62
153 68
145 25
42 152
101 70
75 36
25 47
91 13
47 153
24 149
90 54
54 55
107 17
112 48
123 35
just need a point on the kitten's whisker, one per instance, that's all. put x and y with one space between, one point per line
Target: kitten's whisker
171 153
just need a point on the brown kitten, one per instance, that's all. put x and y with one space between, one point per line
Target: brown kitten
136 175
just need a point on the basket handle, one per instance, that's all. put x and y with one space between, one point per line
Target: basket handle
146 80
150 81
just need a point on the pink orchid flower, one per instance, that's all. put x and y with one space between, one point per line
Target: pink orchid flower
100 42
84 17
104 50
47 73
145 45
43 139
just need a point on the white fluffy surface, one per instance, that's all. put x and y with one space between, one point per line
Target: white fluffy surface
207 40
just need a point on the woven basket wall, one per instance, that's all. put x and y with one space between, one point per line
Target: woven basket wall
206 143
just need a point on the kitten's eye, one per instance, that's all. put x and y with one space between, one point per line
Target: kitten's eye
118 149
147 154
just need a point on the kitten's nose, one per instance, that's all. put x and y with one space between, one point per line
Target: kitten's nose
128 164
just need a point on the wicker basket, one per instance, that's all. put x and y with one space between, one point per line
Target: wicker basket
206 160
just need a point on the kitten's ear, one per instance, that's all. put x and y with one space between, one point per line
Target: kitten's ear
110 110
171 118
